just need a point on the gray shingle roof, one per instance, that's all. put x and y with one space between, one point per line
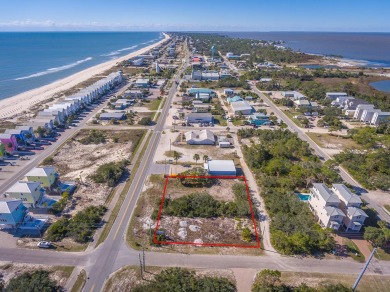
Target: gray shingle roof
325 193
346 194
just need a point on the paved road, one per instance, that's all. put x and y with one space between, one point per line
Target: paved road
301 134
40 155
102 263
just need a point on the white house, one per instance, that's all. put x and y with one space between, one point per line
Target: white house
368 114
380 118
334 95
350 205
203 137
360 108
325 206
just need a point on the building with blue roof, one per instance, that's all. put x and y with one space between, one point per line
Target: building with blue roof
234 99
258 119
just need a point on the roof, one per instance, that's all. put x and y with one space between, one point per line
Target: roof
221 165
24 128
337 93
241 105
332 211
302 102
41 171
201 105
8 206
228 89
346 194
313 103
23 187
325 193
199 115
200 90
6 136
352 212
200 135
111 115
234 99
13 131
142 80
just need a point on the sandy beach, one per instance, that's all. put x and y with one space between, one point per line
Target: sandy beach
17 104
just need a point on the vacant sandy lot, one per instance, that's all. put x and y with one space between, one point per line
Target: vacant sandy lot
76 162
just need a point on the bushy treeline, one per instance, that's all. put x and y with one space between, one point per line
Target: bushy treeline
36 281
94 137
259 51
203 205
179 279
370 168
110 173
283 163
80 227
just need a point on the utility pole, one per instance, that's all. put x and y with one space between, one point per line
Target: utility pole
140 266
143 255
363 270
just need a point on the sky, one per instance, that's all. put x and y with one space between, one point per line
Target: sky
201 15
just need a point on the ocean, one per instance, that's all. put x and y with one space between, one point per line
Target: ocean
32 59
369 49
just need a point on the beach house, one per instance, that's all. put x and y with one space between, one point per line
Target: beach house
258 119
360 108
199 118
200 108
112 116
30 193
194 91
350 204
9 141
142 83
324 205
234 99
334 95
22 136
46 175
380 118
228 91
12 213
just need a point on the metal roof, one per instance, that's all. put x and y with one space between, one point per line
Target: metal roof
352 211
241 105
323 191
8 206
23 187
346 194
332 211
41 171
222 165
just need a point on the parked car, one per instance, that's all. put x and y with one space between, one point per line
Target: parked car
44 244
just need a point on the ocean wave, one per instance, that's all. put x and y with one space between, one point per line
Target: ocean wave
117 52
56 69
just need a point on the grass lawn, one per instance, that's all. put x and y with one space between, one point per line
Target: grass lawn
218 120
291 117
353 251
80 282
381 254
154 104
326 140
367 283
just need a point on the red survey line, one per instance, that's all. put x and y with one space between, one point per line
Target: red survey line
167 177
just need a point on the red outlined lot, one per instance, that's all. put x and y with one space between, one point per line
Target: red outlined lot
217 244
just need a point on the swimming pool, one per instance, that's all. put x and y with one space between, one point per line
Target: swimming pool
303 197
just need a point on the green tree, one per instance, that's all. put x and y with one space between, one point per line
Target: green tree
37 281
196 157
268 280
177 155
246 234
205 158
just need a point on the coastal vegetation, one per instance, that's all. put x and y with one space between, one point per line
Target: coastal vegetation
283 163
35 281
180 279
80 227
110 173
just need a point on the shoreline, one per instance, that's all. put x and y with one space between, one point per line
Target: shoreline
17 104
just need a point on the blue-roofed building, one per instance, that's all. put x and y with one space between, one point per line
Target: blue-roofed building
12 213
234 99
258 119
201 90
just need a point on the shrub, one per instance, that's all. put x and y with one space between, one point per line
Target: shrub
48 161
36 281
246 234
145 121
94 137
110 173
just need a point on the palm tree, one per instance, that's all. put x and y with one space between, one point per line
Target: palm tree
205 158
177 155
196 157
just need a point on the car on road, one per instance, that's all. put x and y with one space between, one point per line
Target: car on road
44 244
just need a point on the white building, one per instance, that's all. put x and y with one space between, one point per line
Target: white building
203 137
368 114
380 118
293 95
242 107
325 206
360 108
334 95
30 193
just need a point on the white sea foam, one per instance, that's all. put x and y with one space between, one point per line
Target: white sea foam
56 69
114 53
